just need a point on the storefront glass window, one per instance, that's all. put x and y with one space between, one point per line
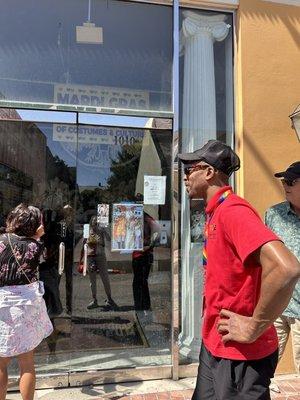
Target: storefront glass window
206 112
109 57
105 194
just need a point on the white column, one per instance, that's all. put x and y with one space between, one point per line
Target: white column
198 34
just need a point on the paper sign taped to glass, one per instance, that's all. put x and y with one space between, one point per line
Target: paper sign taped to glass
127 227
154 189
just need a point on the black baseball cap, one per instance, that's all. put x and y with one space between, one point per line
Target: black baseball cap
292 172
215 153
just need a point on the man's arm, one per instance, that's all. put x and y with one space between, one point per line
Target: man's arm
280 273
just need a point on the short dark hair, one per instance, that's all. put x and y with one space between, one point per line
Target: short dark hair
24 220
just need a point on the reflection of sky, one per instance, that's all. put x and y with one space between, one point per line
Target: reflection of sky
94 160
41 48
84 118
113 120
47 116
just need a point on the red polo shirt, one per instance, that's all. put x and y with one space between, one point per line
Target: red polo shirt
233 276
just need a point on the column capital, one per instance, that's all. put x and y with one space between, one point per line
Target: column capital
200 24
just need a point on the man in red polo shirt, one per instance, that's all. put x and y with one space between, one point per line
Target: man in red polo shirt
249 279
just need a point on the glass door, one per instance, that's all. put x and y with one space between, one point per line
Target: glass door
121 314
105 195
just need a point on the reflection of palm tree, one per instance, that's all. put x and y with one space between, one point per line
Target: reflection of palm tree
56 194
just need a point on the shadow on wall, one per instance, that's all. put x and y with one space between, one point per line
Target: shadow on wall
275 13
260 159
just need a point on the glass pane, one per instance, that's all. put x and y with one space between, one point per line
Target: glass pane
206 112
38 167
123 121
106 58
122 307
47 116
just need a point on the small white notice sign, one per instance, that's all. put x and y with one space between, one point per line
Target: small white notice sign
86 231
154 189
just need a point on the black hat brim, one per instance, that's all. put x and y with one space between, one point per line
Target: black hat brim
188 157
286 174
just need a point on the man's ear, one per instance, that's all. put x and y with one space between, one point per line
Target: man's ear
210 173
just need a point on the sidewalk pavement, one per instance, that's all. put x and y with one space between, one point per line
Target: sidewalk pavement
165 389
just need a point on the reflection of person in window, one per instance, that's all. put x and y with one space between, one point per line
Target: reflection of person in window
96 261
137 236
49 265
142 261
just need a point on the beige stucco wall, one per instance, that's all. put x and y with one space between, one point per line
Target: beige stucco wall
267 91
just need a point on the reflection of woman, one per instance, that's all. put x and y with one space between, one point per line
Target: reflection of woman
97 263
24 322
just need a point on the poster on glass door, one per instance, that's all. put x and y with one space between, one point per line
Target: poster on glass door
103 215
127 227
197 220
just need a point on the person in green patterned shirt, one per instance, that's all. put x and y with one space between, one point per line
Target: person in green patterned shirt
284 220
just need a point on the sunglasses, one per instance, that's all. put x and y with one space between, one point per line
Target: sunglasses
289 182
192 168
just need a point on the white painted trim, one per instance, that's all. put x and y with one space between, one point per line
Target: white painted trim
218 5
210 4
286 2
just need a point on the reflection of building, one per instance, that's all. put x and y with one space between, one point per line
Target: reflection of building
22 160
16 186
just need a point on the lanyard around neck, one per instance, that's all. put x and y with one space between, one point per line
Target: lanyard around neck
220 200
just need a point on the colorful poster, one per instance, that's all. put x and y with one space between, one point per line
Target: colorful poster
103 215
127 227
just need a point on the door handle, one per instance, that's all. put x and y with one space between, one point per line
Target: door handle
61 258
85 259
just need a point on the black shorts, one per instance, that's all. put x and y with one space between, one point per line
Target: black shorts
223 379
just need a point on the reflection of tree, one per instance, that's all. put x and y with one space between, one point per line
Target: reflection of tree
121 183
56 167
57 194
59 186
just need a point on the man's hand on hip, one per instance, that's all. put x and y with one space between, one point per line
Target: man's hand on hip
237 328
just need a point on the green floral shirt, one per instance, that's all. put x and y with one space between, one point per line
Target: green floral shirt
282 220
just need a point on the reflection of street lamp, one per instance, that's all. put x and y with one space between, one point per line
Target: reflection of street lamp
295 118
89 33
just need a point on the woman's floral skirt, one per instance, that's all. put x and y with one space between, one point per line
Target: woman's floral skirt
24 321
